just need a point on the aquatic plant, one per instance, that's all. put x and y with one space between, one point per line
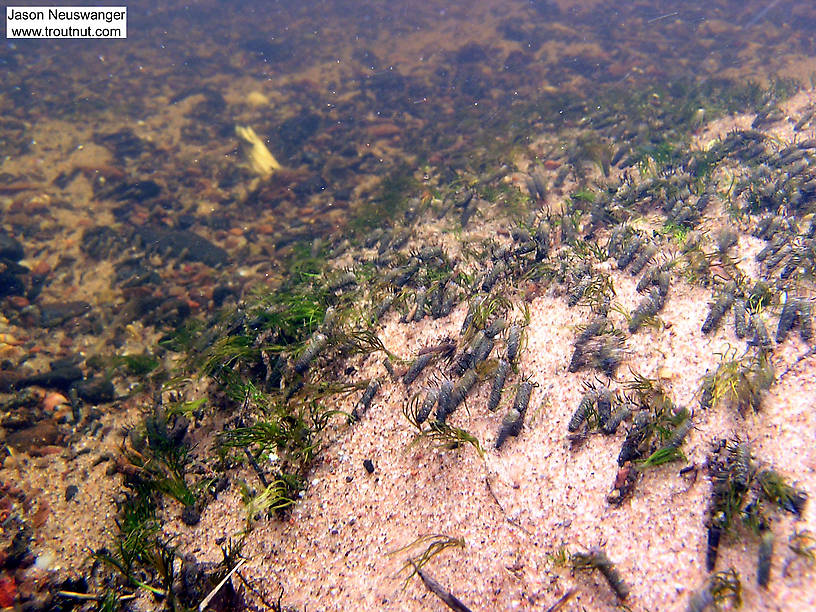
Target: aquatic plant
434 544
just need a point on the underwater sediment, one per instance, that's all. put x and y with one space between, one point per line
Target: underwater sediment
572 358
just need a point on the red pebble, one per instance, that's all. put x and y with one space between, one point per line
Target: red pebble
8 591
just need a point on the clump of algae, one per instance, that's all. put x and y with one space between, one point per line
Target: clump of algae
261 161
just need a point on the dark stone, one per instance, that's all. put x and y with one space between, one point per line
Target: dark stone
294 132
158 311
193 584
61 378
18 550
471 53
211 107
64 179
270 49
344 194
74 585
70 492
122 144
134 273
42 434
162 435
8 379
182 243
57 313
185 221
368 464
190 515
471 81
221 293
547 8
313 184
517 61
10 283
221 485
137 191
367 58
510 30
37 284
10 247
385 84
95 390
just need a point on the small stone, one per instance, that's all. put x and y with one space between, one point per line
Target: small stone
53 400
368 464
30 439
190 515
10 247
70 492
95 390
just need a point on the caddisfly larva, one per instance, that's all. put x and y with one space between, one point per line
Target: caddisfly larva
461 389
718 308
443 402
597 559
630 450
514 419
513 342
577 292
764 555
680 432
427 405
805 320
644 257
495 328
365 401
726 238
648 307
787 319
498 384
629 252
317 343
718 588
481 350
465 359
420 301
384 306
475 304
495 273
342 281
511 421
740 319
401 276
761 337
584 410
613 422
419 364
583 353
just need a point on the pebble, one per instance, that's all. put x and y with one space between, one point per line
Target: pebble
10 248
70 492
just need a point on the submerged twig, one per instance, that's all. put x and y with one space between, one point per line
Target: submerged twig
437 589
206 601
561 602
